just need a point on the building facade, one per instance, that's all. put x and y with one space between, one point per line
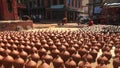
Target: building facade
9 9
54 9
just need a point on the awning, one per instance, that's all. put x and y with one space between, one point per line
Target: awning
57 6
112 3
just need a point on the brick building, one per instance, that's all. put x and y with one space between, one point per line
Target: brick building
54 9
9 9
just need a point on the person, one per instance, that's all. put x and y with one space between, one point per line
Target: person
91 22
64 20
79 20
40 17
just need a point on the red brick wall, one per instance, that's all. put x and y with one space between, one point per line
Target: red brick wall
13 25
6 15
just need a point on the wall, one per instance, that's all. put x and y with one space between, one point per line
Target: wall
6 15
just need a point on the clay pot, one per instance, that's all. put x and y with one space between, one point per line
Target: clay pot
19 62
116 62
101 65
14 46
107 54
58 62
31 64
96 48
28 49
34 49
76 46
47 58
94 53
14 53
8 61
43 65
20 47
76 57
117 55
35 57
71 50
1 60
23 55
102 58
42 51
61 48
46 46
38 45
82 51
65 55
52 47
2 51
70 63
65 44
58 44
88 57
84 64
117 50
8 51
55 52
106 48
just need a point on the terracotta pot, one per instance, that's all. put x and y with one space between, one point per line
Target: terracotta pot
8 61
1 60
43 65
38 45
70 63
102 58
42 51
20 47
101 65
19 62
76 46
76 57
2 51
8 51
34 49
106 48
46 46
84 64
58 62
117 55
28 49
82 51
94 54
35 57
23 55
107 54
55 52
88 57
58 44
65 55
52 47
117 50
66 44
47 58
14 46
14 53
31 64
62 47
116 62
71 50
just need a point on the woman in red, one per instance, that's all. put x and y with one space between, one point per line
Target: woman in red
91 22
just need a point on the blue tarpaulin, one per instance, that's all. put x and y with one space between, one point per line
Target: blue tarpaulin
57 6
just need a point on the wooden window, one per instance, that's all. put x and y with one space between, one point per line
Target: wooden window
72 3
61 1
54 2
